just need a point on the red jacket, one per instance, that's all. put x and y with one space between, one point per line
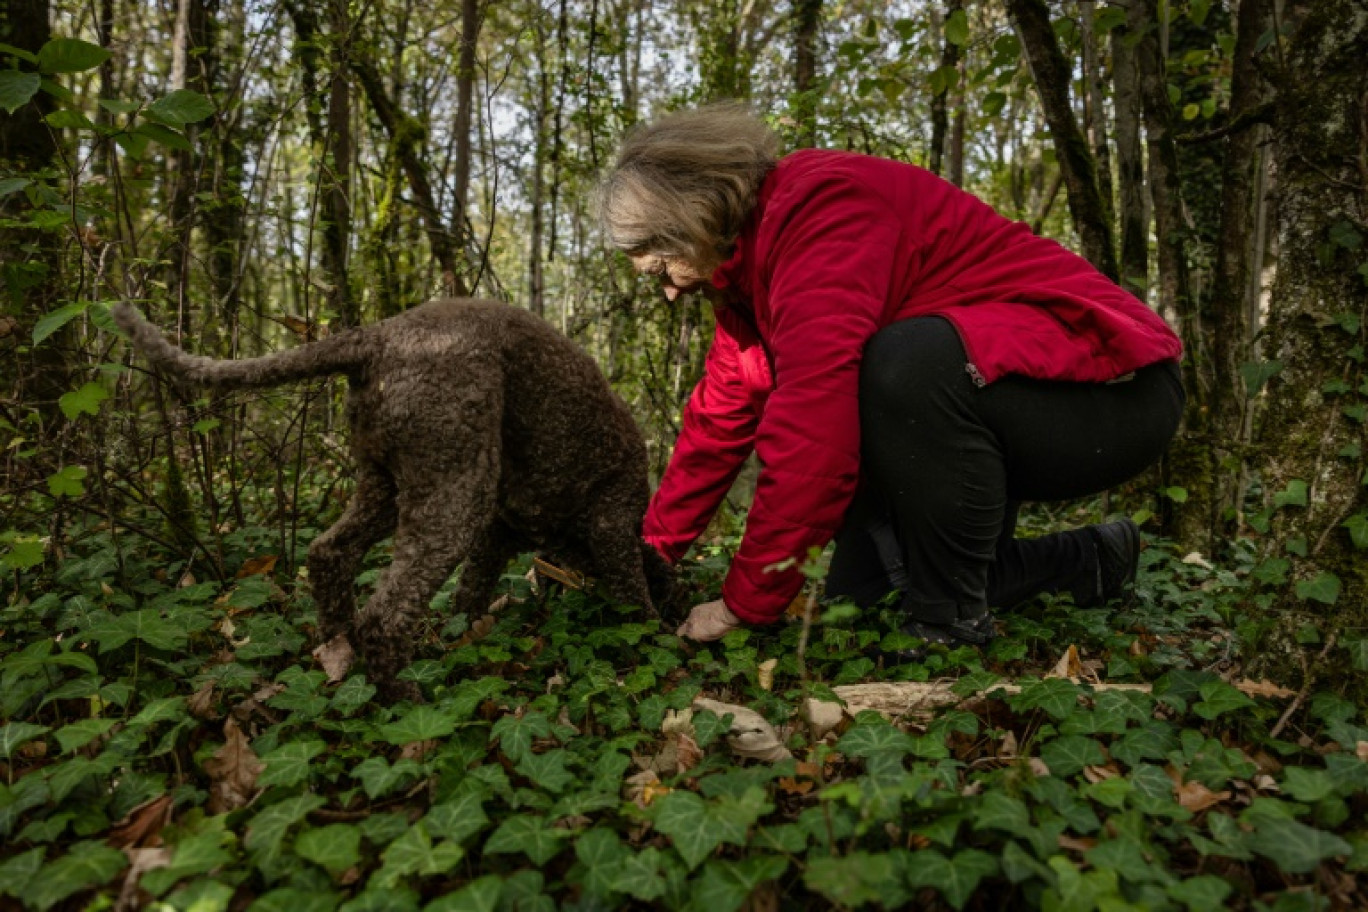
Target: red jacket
840 246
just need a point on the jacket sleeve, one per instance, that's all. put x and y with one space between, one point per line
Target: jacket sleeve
830 265
717 434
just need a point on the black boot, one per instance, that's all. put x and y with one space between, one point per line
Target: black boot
977 631
1118 558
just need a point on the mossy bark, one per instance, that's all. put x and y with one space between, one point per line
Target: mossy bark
1313 433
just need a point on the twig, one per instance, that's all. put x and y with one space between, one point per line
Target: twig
1297 701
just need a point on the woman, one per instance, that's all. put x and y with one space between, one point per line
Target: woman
907 364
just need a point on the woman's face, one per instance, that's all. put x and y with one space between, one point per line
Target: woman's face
677 276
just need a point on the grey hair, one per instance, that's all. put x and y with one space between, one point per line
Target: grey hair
684 185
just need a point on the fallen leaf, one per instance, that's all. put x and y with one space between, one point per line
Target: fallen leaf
764 674
1069 665
1194 796
1007 747
1095 774
417 750
563 576
140 861
798 607
233 771
1262 688
677 721
1361 749
479 629
793 786
142 826
336 656
201 702
1195 559
751 736
258 566
642 788
1266 783
1039 768
1076 843
688 752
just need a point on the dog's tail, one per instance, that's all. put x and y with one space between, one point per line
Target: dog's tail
342 353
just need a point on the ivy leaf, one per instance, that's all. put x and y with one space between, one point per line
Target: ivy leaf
378 778
530 835
870 738
335 847
515 734
198 854
724 886
1295 847
70 55
639 875
88 864
266 832
23 554
1358 529
459 818
1055 696
16 872
17 89
1218 698
288 764
165 709
1001 811
697 827
480 895
15 734
415 853
164 135
1200 893
352 694
79 734
858 878
180 108
1324 587
600 851
422 723
1067 755
1294 495
547 770
955 878
1308 785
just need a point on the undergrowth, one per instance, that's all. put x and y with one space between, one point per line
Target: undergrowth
172 745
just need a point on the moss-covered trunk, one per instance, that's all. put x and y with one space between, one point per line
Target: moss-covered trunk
1312 439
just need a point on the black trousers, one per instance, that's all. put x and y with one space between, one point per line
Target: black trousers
946 464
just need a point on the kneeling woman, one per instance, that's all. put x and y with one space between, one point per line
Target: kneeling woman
907 364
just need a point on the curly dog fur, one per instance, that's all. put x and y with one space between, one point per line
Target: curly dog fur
478 432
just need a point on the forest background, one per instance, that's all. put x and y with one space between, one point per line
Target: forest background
258 174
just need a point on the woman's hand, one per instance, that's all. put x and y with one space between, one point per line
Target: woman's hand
709 621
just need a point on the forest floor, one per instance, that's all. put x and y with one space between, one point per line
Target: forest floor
172 744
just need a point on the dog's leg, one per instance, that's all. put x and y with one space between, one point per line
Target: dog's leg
336 555
488 557
434 536
615 542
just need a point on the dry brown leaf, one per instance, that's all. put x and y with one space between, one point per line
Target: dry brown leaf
642 788
417 750
1194 796
233 771
1137 648
479 629
764 898
201 702
1262 688
807 769
822 717
142 826
1007 747
1039 768
764 674
258 566
336 656
1095 774
564 576
140 861
1069 665
1076 843
1361 750
687 752
8 326
1195 559
675 722
34 750
790 785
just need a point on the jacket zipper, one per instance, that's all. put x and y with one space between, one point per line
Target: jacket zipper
970 368
974 375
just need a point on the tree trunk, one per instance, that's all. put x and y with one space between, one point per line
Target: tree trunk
1095 110
337 166
191 53
940 117
1235 259
465 102
1313 433
1130 165
536 297
1052 75
807 18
